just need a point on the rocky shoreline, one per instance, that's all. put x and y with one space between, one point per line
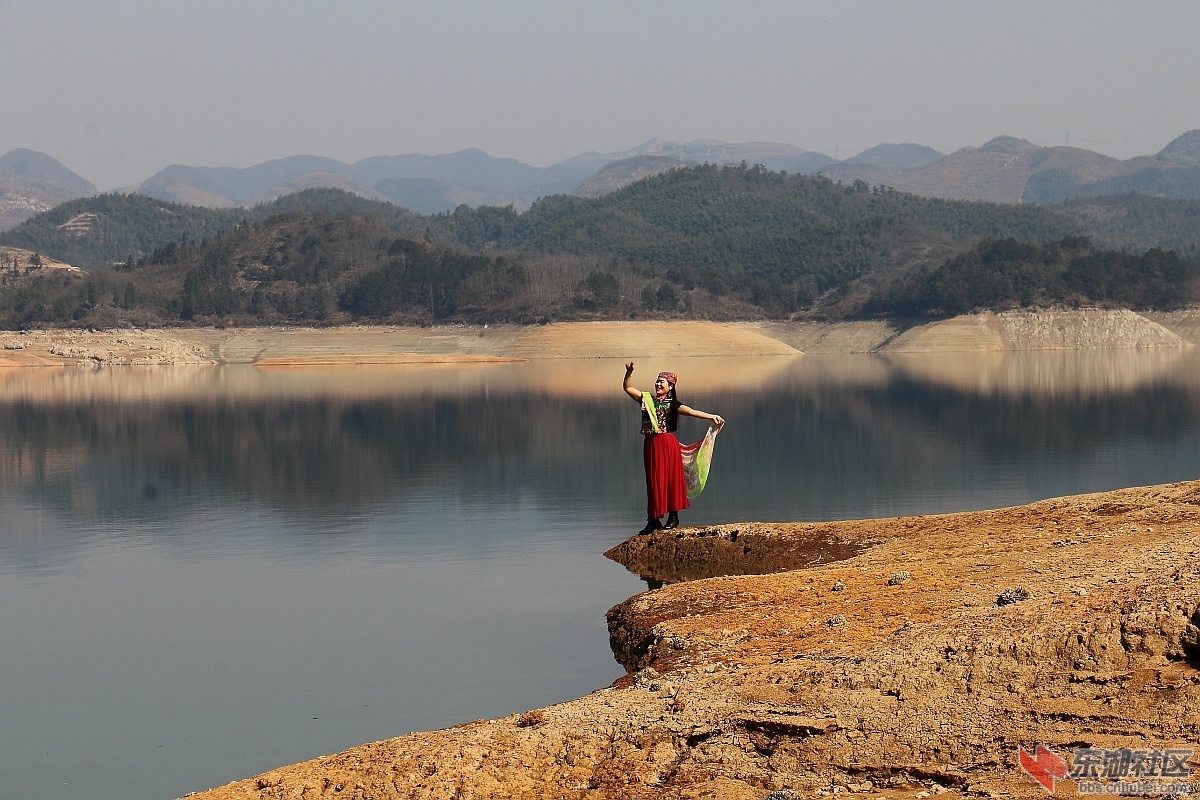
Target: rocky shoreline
886 658
1069 329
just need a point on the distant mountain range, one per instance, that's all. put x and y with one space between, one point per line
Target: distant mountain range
1005 169
435 184
31 182
1010 170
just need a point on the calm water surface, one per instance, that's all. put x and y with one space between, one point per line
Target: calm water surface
206 573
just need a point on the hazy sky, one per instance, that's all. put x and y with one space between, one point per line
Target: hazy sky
117 90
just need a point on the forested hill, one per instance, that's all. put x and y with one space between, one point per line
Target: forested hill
700 242
1137 221
1006 273
292 267
105 229
726 225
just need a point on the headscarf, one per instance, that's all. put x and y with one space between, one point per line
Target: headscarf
671 377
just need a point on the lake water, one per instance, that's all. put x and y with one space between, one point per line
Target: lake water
206 573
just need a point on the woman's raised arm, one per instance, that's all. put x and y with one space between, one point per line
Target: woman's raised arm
627 384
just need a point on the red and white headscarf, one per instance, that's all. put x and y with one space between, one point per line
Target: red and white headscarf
671 377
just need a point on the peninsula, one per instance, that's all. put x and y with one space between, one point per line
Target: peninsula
888 658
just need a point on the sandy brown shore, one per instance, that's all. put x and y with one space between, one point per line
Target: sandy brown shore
381 345
915 665
1079 329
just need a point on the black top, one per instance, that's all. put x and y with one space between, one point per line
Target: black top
668 414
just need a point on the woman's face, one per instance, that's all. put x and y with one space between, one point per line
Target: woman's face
661 387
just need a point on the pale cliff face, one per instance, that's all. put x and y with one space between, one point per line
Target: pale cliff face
1076 329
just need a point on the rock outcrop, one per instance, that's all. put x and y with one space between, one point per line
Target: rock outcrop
915 664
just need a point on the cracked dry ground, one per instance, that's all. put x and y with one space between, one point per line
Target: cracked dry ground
892 672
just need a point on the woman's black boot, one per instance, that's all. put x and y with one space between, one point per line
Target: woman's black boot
672 521
651 526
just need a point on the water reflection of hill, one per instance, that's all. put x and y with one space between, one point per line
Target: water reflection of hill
1049 372
556 377
916 436
807 438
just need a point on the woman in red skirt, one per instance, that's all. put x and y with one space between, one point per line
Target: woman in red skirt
666 492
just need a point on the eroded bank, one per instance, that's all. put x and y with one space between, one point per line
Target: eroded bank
918 664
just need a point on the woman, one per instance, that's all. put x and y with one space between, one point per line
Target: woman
666 492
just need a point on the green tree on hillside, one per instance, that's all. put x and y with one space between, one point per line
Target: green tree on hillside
1007 273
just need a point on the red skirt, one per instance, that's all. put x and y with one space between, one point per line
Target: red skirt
665 488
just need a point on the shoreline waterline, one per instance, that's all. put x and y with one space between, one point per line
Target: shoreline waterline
1061 329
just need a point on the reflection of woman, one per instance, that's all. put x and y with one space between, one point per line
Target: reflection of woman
666 492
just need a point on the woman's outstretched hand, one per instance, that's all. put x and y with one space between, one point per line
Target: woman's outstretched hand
719 420
627 384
